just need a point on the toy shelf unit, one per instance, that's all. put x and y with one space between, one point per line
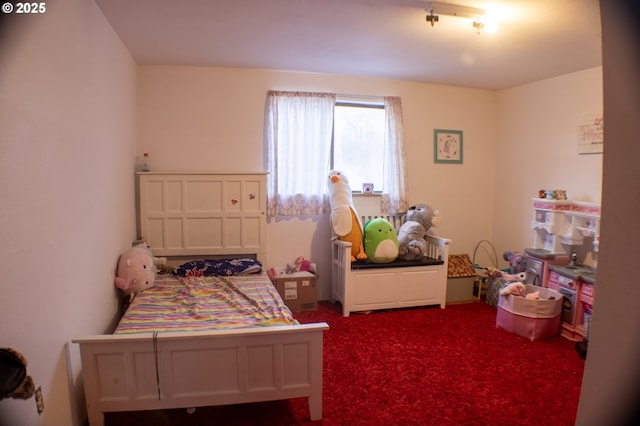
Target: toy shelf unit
564 222
584 222
549 221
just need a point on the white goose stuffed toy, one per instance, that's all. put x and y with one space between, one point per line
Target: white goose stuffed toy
345 223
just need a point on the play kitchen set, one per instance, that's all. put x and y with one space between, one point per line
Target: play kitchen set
561 226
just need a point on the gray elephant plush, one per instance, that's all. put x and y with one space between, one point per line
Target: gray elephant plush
411 235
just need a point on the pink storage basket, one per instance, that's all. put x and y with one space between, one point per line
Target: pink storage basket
533 319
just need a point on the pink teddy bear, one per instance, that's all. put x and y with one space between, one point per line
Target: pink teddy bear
136 270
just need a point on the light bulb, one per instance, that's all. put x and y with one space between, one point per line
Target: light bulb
490 24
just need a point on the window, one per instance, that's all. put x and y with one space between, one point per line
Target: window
298 151
358 143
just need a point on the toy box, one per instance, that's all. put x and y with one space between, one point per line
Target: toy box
534 319
298 290
460 278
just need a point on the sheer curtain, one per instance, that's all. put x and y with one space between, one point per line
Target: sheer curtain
394 199
297 146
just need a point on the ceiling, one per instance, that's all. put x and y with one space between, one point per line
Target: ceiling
537 39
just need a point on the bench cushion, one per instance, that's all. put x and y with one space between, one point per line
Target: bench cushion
398 263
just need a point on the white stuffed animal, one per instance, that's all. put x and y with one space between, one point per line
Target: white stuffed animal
517 289
345 222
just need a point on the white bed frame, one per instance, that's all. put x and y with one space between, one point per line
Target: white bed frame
202 214
388 287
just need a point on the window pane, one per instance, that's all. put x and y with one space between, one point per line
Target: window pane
358 144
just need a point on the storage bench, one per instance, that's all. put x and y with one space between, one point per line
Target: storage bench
363 286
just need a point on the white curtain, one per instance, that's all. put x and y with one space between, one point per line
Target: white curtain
297 145
394 199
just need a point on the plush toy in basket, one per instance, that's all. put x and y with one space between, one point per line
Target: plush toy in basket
136 270
417 225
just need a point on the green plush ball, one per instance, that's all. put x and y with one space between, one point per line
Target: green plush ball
380 241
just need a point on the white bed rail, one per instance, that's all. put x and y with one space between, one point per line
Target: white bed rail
192 369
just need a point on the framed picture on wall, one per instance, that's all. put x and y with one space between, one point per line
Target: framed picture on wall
447 146
591 135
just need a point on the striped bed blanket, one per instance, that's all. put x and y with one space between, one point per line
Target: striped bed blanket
205 303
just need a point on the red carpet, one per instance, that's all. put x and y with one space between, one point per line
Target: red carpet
421 366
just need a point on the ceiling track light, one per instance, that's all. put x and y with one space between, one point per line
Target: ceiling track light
431 18
451 9
435 9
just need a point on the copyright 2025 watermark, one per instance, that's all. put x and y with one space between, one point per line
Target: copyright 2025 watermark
21 8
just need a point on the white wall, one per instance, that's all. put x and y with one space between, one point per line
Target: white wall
211 119
516 141
537 149
67 114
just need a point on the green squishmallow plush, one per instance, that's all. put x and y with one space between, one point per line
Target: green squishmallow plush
380 241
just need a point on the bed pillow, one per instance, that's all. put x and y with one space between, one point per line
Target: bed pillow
224 267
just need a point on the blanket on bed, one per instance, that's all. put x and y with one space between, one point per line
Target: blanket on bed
205 303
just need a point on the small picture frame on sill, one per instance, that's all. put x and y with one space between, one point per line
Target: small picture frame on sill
447 146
